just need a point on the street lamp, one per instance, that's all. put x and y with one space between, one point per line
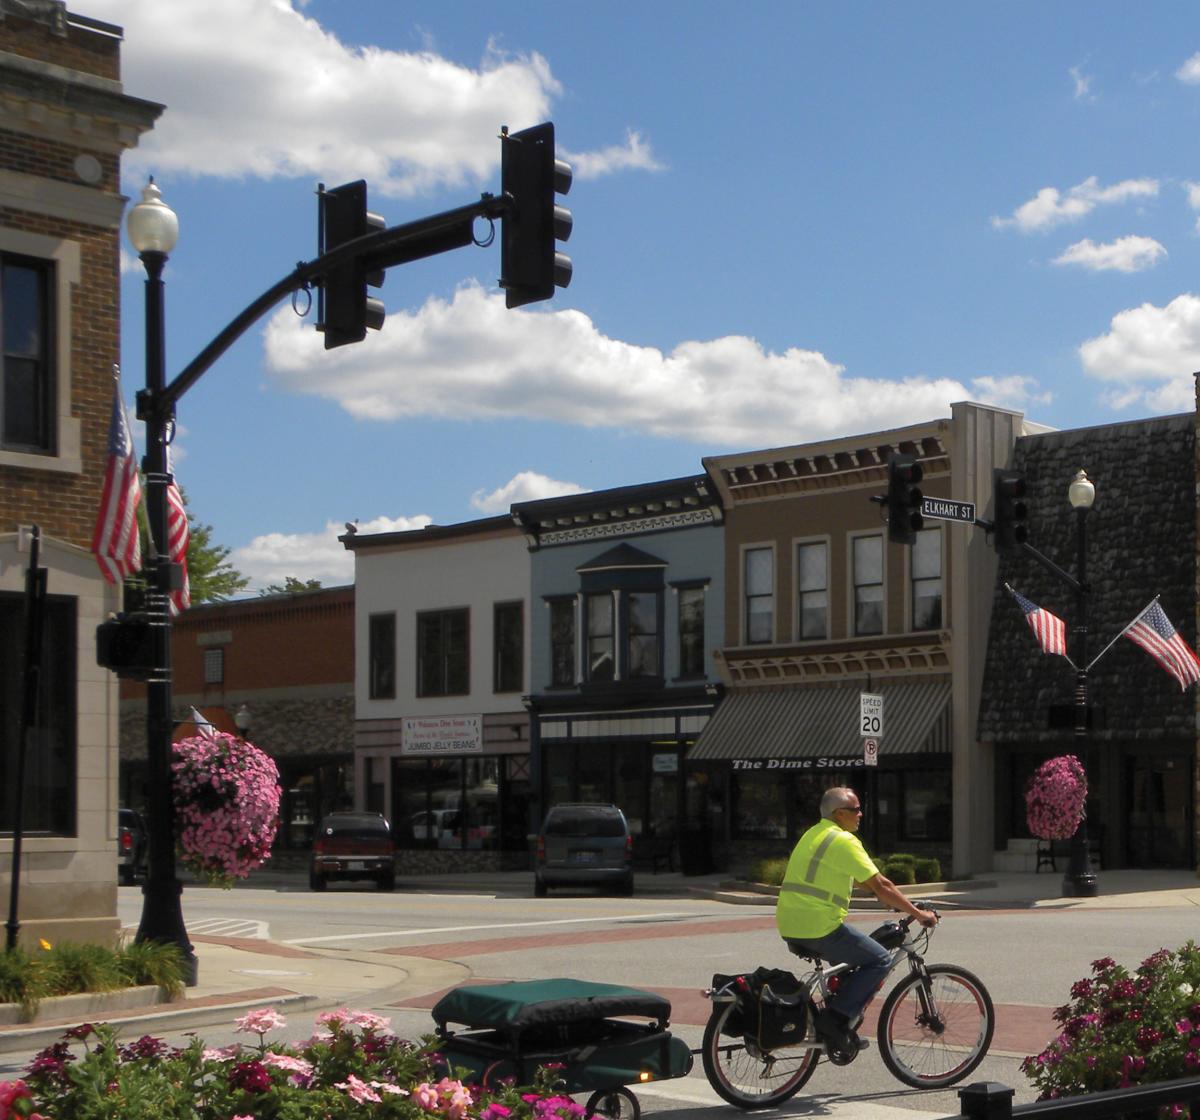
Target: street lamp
1080 880
242 718
153 230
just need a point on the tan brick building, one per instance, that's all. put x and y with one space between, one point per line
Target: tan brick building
65 120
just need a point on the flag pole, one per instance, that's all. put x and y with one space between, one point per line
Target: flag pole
1124 632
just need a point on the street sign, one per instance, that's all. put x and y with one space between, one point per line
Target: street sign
870 715
870 752
947 509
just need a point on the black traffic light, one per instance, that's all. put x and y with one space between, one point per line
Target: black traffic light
904 499
125 645
344 310
530 264
1008 511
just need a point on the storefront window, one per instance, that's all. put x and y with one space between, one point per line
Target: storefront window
629 793
760 811
482 802
557 764
926 801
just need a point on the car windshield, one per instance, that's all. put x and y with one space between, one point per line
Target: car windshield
585 822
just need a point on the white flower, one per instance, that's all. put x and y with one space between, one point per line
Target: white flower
1185 989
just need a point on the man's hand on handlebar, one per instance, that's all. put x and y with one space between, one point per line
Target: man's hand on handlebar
927 918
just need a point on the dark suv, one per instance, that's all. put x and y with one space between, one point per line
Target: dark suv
584 844
353 846
131 845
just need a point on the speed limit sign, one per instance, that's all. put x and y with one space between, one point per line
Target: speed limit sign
870 715
870 752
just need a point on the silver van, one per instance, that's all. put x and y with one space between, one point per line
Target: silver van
584 844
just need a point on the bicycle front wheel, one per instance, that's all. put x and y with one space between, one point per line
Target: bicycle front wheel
935 1029
747 1077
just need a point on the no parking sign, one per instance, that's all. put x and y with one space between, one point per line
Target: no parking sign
870 752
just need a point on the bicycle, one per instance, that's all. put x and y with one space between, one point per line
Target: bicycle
759 1048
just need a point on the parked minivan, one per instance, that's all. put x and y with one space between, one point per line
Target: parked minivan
584 844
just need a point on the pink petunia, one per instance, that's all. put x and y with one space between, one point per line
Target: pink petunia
358 1090
260 1021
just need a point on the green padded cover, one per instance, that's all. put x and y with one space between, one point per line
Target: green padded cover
538 1003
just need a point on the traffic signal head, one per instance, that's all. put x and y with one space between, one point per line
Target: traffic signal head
904 499
125 646
344 310
1008 511
530 176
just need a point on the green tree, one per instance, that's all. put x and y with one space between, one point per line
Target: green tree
290 586
211 577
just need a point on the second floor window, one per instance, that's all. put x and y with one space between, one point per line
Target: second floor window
927 580
812 583
443 653
381 656
643 608
759 583
601 647
691 631
508 654
868 585
26 379
562 643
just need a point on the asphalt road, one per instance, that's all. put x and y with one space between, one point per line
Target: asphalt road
1028 960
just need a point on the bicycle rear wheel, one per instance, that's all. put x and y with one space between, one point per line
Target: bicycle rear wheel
747 1077
935 1031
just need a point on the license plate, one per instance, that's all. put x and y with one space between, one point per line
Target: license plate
355 865
585 857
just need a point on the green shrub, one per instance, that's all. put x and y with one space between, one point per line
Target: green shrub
902 857
152 962
902 874
928 870
21 980
71 968
769 871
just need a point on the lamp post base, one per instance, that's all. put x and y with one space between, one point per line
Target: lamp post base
1084 885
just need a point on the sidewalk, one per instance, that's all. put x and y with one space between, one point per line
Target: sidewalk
236 975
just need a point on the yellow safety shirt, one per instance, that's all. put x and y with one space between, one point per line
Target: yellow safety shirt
814 898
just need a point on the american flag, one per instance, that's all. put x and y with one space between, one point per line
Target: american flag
1152 630
178 536
115 541
1049 629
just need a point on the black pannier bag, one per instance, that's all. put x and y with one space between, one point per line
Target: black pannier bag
889 935
772 1008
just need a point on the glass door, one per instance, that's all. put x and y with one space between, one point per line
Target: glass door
1159 811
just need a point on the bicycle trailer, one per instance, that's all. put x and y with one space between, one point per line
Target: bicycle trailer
596 1034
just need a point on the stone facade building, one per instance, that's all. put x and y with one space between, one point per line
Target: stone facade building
1140 542
65 120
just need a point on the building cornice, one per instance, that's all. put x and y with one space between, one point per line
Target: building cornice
743 666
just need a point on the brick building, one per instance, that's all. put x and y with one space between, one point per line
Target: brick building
279 669
65 120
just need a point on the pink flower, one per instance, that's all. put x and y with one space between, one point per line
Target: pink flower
368 1021
495 1111
287 1062
260 1022
358 1090
426 1097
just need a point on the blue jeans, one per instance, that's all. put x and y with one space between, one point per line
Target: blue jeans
847 945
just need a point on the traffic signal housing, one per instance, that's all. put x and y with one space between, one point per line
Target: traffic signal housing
344 309
125 646
904 499
530 264
1009 512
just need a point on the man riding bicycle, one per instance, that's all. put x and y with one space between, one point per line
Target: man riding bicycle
814 900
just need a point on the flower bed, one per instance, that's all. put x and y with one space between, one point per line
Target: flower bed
1123 1029
352 1067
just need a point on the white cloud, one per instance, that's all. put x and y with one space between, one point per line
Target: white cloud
1014 391
634 153
1189 72
1050 207
1149 355
525 486
1083 84
470 359
1126 254
272 557
254 88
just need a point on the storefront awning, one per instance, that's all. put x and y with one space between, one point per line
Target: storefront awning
815 722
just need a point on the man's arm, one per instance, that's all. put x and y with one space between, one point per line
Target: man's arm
888 893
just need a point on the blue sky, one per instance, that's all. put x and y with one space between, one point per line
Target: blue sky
792 221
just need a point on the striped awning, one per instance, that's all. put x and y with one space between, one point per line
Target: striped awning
815 721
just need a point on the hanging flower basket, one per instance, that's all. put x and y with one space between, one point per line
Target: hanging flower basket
226 795
1055 798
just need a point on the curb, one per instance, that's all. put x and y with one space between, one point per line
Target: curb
740 892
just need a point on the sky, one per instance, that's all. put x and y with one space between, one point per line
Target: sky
792 221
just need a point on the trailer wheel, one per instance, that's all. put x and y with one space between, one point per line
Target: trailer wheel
614 1104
